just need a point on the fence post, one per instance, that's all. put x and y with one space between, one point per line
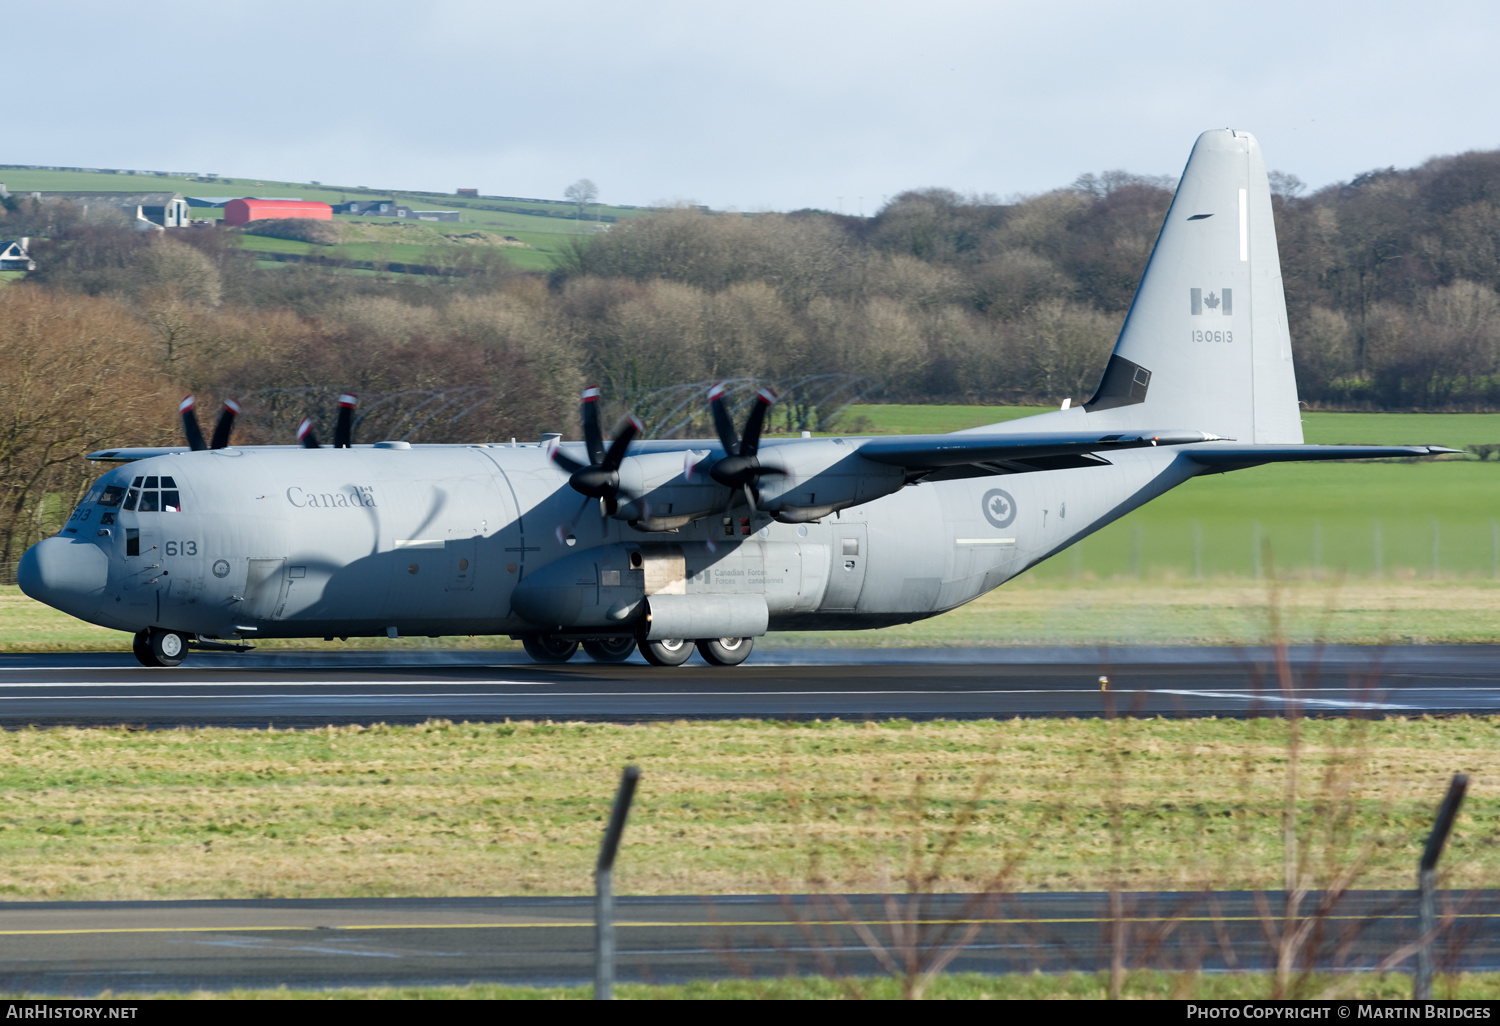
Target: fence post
1197 550
604 893
1427 884
1255 547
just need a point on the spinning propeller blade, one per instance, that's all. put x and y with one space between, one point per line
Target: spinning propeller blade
740 468
600 477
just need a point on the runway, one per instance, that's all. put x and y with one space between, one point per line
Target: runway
318 688
84 948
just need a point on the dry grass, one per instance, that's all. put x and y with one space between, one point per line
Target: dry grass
448 809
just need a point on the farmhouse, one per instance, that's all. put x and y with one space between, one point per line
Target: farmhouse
390 208
148 209
14 257
243 211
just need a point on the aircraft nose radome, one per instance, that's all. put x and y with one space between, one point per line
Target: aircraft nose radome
66 575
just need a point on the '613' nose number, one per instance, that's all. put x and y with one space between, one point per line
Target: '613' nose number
182 548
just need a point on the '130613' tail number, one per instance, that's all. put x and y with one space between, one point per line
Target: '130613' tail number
182 548
1213 336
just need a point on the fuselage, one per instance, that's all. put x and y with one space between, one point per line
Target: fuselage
488 539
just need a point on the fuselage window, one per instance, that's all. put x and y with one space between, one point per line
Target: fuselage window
170 503
132 498
112 496
148 501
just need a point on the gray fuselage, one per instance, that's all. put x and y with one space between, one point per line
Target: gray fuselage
269 543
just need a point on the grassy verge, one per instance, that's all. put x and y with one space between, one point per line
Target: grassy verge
954 986
733 807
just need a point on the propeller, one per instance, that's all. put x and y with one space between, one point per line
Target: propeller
740 468
600 477
343 430
222 427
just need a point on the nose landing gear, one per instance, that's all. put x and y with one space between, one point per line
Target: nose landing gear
160 647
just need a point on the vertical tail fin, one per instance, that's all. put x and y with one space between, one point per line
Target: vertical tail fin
1205 346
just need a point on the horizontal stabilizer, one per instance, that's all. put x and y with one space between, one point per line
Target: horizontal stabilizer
1240 457
933 452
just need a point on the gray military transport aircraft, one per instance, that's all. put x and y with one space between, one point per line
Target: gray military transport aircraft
706 544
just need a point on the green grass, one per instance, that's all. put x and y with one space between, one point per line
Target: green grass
1140 985
1456 430
733 807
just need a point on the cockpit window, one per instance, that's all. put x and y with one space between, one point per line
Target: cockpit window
112 496
146 497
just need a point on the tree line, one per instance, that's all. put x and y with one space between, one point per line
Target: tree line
1391 282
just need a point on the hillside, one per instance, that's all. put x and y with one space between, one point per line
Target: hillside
543 228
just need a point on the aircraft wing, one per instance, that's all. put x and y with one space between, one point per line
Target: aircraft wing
130 455
935 452
1241 456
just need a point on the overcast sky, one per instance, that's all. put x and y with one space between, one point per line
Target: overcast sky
763 105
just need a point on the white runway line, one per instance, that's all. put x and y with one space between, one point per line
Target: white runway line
1256 696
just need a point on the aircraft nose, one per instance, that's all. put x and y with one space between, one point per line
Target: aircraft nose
65 574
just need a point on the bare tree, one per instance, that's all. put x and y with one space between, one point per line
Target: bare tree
581 193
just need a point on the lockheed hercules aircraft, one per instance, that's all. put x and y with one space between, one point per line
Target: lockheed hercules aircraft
699 544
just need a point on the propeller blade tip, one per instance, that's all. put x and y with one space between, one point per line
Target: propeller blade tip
717 392
591 394
349 399
232 406
187 404
304 428
767 396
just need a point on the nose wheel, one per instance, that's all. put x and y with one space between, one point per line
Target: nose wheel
158 647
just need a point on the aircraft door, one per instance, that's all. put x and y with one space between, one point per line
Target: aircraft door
846 574
265 591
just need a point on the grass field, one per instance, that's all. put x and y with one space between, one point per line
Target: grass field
1141 985
545 236
733 807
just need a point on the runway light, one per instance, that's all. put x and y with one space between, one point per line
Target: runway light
1103 683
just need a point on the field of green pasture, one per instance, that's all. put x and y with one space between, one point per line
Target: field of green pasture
545 237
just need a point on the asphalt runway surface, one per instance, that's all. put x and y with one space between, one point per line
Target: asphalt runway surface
85 948
317 688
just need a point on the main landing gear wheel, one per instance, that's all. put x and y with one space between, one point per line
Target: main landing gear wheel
549 648
609 650
158 647
667 652
725 651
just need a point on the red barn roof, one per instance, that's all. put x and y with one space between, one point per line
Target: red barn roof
243 211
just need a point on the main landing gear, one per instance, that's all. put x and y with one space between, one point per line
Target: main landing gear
554 649
159 647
